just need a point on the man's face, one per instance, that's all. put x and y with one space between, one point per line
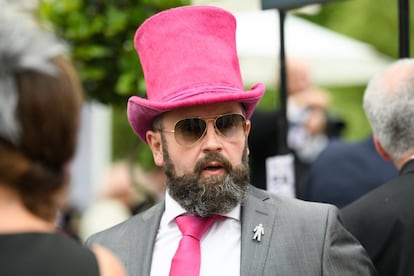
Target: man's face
209 175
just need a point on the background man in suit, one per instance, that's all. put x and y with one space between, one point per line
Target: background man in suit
196 122
345 171
383 219
310 126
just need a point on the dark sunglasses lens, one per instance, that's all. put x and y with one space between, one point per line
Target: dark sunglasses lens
188 131
231 125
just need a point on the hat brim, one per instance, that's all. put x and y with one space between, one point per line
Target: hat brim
141 112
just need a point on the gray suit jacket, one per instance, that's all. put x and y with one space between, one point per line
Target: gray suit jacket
301 238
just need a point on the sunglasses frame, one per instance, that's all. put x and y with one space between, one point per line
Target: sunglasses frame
213 118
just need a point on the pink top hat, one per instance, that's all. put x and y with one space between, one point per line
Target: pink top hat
189 57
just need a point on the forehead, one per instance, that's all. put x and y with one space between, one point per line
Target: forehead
204 110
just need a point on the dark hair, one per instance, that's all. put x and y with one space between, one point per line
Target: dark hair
48 111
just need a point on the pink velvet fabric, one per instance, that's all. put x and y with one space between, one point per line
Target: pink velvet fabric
189 57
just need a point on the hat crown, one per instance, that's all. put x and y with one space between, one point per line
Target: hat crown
188 56
188 47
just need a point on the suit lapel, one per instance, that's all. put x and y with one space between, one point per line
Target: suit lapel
255 211
146 232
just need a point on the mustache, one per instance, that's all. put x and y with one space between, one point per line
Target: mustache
212 157
205 196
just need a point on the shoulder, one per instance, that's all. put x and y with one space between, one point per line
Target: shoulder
294 209
310 226
137 221
372 200
390 197
134 230
108 264
381 206
66 254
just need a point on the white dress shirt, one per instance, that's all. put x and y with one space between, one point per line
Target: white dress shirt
220 246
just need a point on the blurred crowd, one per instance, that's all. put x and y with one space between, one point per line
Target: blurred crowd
37 151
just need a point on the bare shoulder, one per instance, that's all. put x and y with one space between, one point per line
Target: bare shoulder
109 264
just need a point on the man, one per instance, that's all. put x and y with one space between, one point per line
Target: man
310 127
195 121
345 171
383 219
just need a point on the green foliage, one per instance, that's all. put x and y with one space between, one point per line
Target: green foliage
347 104
270 100
125 143
100 34
373 21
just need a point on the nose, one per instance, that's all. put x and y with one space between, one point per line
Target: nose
211 140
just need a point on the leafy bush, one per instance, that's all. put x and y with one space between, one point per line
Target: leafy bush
100 34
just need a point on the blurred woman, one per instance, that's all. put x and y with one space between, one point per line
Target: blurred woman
40 103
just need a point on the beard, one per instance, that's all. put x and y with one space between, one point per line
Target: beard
205 196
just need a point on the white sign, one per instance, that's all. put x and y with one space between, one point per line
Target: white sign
280 176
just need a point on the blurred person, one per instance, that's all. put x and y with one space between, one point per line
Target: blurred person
40 102
263 144
309 125
195 119
344 171
125 190
130 184
383 219
306 111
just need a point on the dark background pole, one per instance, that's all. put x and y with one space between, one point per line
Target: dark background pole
404 28
282 120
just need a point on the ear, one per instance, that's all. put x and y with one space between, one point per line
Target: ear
381 150
248 127
154 142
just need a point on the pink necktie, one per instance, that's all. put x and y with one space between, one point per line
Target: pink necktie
186 260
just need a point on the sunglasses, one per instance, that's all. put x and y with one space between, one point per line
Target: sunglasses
189 131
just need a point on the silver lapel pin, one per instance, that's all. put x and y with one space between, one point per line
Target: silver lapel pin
258 232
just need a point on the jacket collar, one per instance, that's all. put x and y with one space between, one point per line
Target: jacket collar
408 167
256 210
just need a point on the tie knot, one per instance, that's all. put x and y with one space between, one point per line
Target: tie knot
194 226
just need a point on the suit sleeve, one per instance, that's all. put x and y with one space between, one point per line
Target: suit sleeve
340 245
